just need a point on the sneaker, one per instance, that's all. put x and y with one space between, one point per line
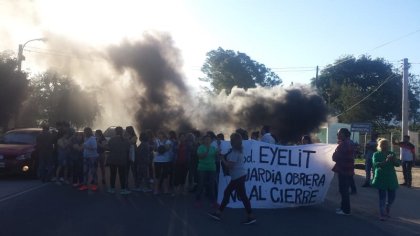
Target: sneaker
53 179
337 209
403 184
341 212
111 190
214 215
124 192
93 187
76 185
83 187
249 220
382 218
366 185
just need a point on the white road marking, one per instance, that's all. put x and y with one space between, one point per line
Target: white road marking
14 195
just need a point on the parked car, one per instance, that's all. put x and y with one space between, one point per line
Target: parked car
17 151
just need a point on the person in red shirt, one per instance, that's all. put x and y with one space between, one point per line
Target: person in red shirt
343 157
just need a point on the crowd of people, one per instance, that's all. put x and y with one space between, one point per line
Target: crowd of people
161 163
177 164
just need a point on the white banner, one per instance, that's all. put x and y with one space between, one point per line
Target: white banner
282 176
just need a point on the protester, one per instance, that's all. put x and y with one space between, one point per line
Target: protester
193 163
369 151
172 153
118 160
152 147
142 163
45 147
255 135
206 170
306 139
131 136
76 155
408 158
102 145
181 163
162 163
343 157
235 162
63 154
266 135
385 179
90 160
243 133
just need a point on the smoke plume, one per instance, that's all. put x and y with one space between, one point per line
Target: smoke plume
154 63
290 112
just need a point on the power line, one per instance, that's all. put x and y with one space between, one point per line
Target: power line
370 94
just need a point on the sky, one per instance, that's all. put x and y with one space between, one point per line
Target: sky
291 37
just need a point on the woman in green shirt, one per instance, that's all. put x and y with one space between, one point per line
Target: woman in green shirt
206 170
385 179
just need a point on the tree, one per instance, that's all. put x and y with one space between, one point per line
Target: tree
13 89
56 97
225 69
364 90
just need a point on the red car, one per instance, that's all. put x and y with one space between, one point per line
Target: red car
17 151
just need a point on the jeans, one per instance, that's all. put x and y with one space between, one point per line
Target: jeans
121 174
90 165
344 182
383 203
207 179
406 167
239 186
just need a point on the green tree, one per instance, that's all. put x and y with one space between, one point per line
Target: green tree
13 89
225 69
56 97
364 90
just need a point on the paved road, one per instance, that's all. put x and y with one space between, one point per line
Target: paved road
28 207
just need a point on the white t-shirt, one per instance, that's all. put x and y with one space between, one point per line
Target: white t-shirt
238 169
165 157
267 138
406 154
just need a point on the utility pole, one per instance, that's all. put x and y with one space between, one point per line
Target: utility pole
404 125
20 57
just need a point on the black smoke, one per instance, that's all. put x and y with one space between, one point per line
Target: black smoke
290 113
155 65
164 99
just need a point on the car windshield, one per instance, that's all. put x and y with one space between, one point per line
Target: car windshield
19 138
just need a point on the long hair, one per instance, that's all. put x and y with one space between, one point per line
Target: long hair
382 140
235 137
